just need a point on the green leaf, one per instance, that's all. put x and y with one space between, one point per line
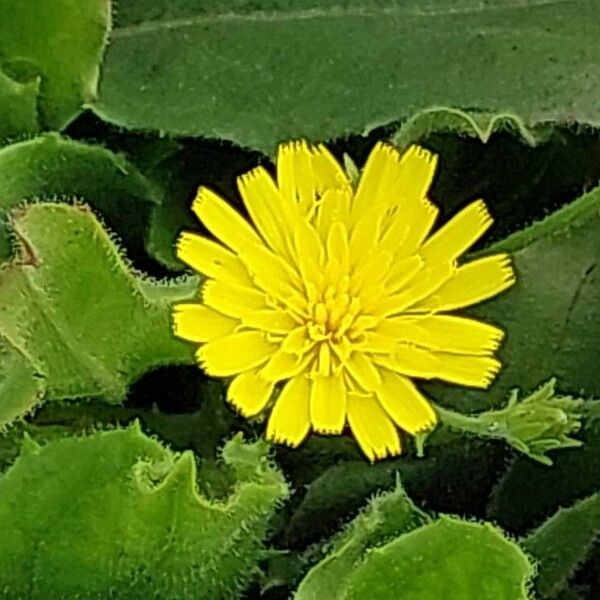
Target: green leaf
50 166
547 313
448 558
57 44
72 307
18 106
528 492
385 516
262 72
468 123
562 543
116 514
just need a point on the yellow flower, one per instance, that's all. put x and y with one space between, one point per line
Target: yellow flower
329 300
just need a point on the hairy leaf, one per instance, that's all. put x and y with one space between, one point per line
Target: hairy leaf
261 72
50 166
73 310
117 514
562 542
448 558
58 43
388 515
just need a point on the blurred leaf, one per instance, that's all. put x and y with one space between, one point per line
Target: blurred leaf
49 166
563 542
260 72
18 106
73 309
57 44
117 514
448 558
528 492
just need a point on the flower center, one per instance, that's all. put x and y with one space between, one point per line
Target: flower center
333 312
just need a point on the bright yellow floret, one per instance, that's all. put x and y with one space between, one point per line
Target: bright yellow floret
327 304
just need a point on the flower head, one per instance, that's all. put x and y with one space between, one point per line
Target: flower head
327 302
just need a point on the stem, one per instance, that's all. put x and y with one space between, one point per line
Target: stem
456 420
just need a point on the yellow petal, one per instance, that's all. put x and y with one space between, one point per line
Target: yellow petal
417 168
334 206
410 205
289 421
445 333
472 283
305 172
198 323
232 300
222 221
370 297
283 365
362 370
393 233
378 180
422 284
268 208
269 319
328 403
474 371
337 245
410 360
296 341
274 275
364 235
308 250
235 353
401 272
395 184
458 234
293 167
372 428
211 259
419 218
249 393
327 171
409 409
374 341
372 268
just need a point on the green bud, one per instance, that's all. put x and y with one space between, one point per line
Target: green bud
543 421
